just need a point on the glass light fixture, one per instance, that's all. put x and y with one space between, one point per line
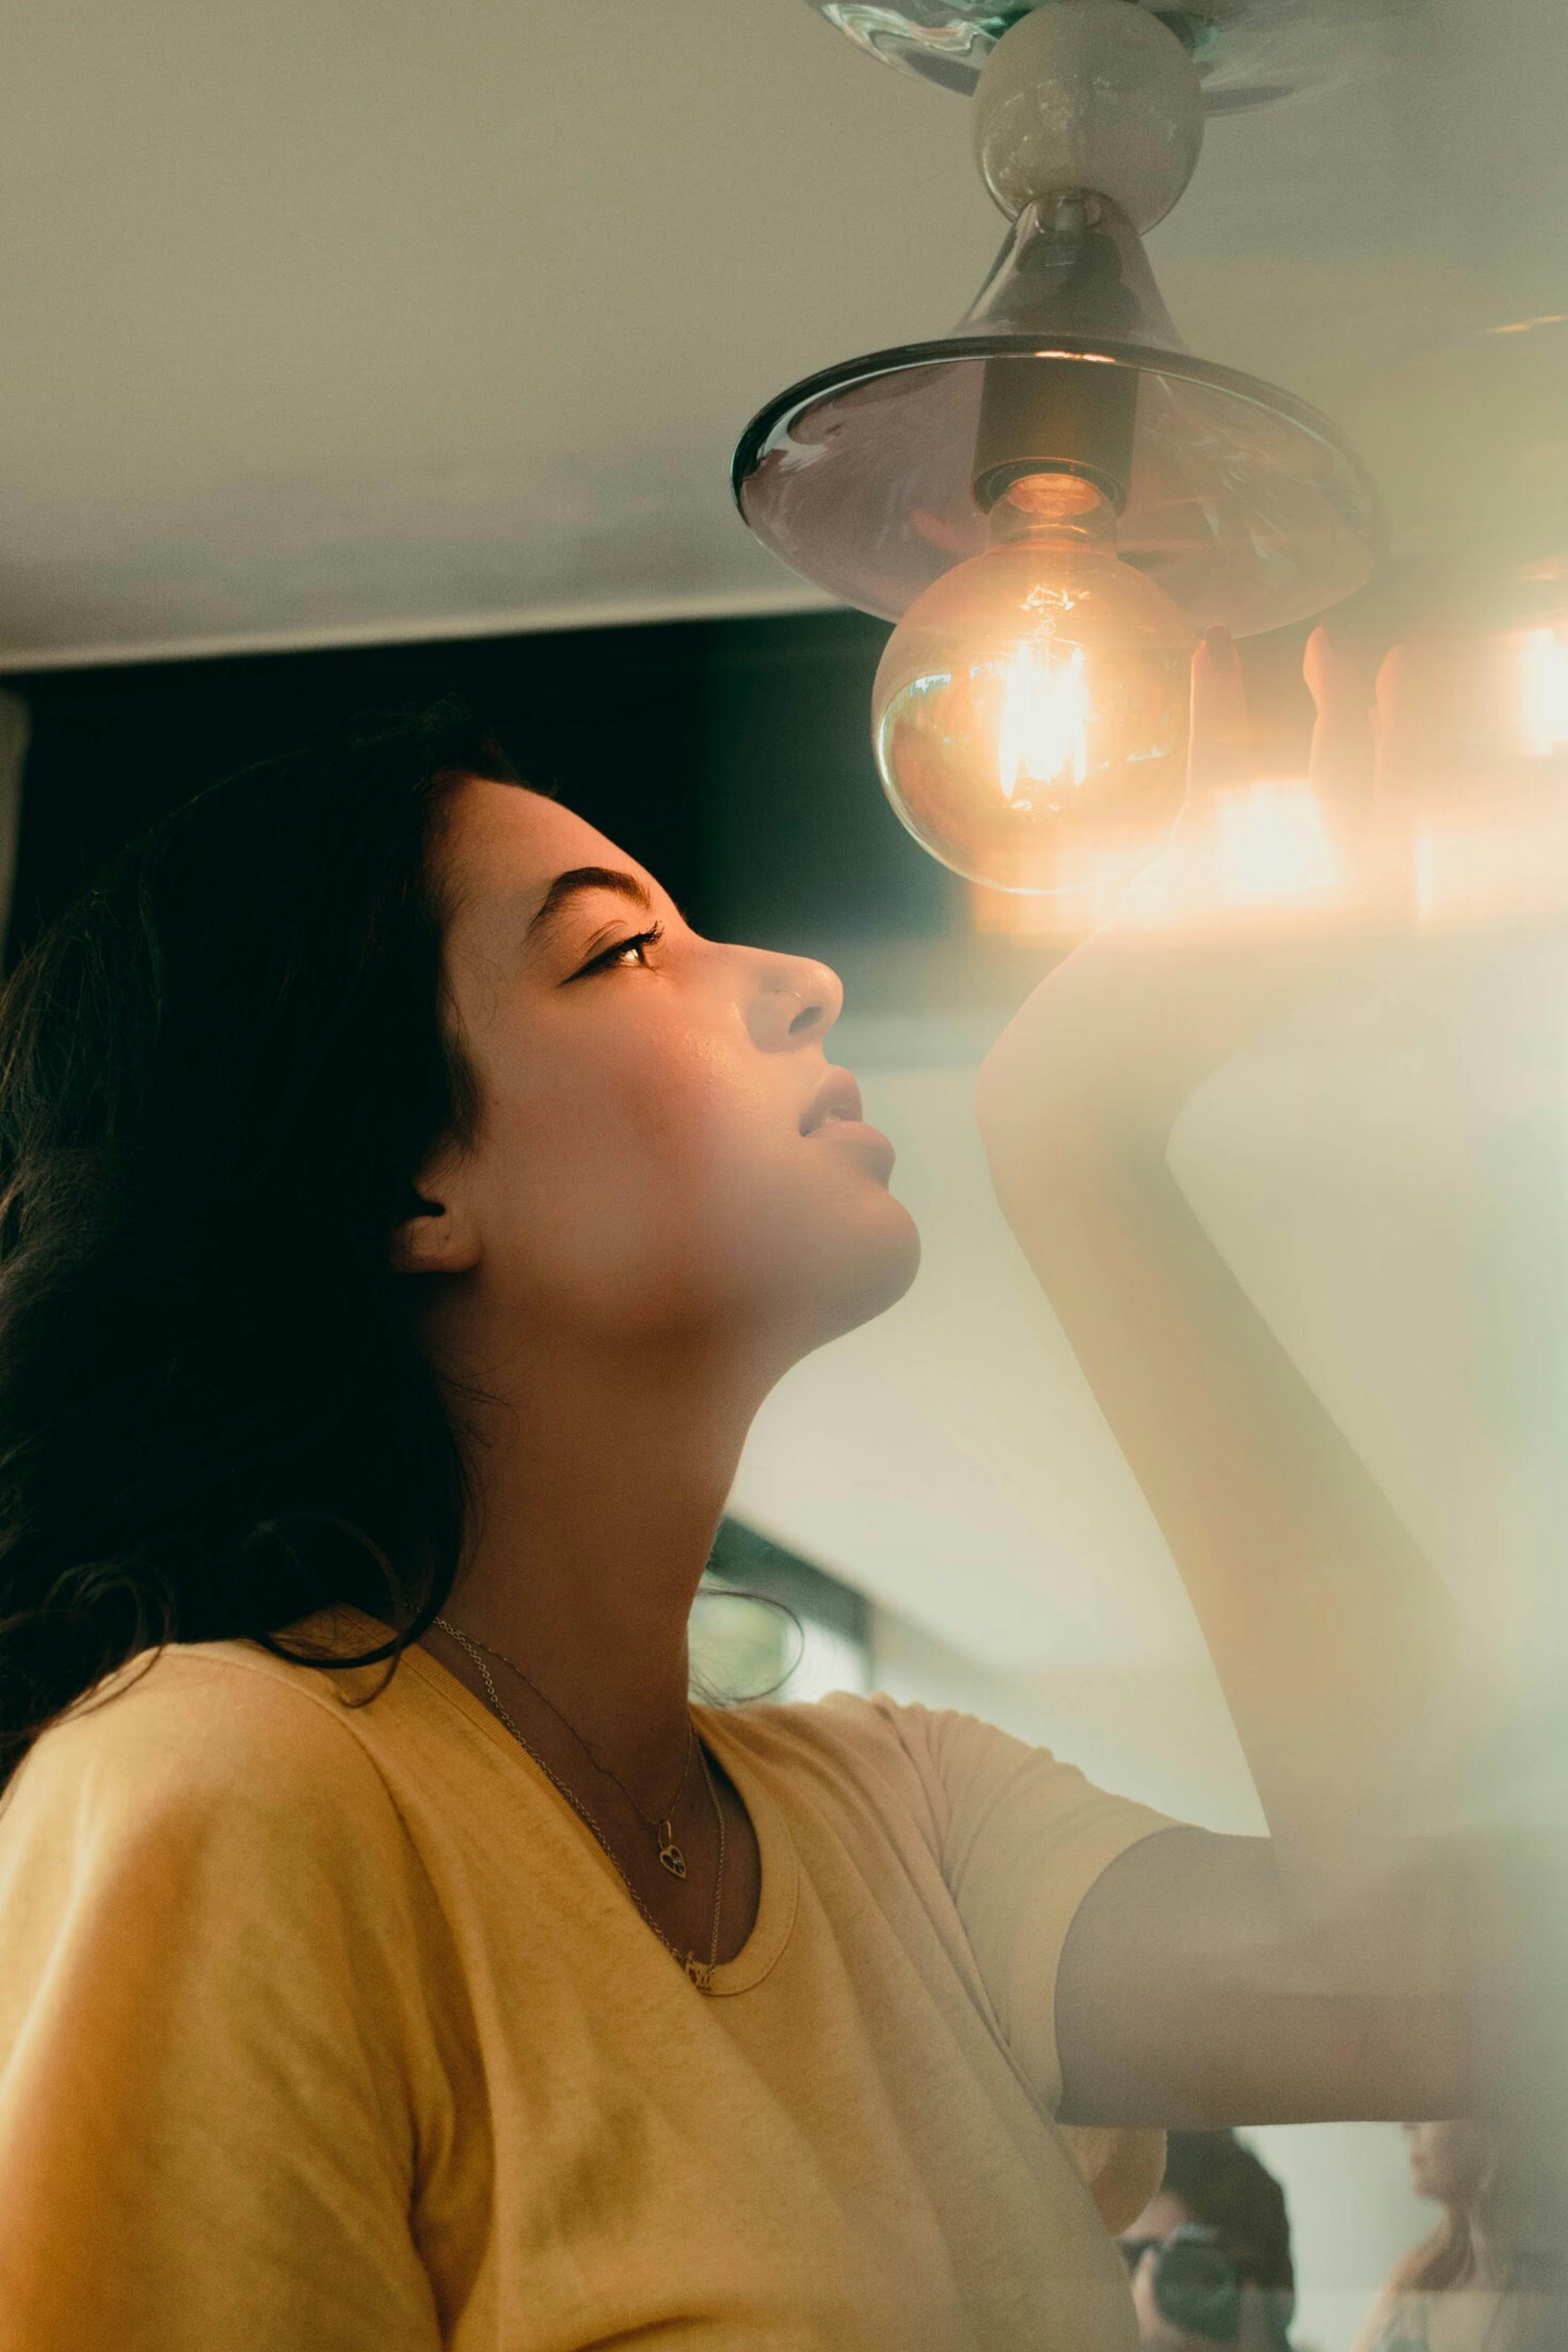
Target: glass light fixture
900 481
1248 53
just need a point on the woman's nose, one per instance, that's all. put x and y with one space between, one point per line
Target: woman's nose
793 1001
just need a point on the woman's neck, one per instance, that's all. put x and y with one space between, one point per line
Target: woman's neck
1493 2251
598 1490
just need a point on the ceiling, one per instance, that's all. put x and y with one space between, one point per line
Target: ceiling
378 321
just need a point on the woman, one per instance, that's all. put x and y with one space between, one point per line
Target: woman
1490 2278
405 1214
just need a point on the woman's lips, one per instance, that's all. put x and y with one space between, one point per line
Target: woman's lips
837 1115
836 1098
858 1136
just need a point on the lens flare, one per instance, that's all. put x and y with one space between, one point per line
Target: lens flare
1273 847
1543 692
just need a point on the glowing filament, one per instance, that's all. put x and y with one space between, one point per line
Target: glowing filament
1543 692
1042 737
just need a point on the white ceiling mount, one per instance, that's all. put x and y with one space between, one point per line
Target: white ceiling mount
1246 53
1089 96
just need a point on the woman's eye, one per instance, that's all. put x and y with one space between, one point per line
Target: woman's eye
631 952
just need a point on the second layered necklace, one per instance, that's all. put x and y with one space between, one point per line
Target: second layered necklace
661 1824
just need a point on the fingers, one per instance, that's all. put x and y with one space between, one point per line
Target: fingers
1342 676
1401 721
1443 702
1220 755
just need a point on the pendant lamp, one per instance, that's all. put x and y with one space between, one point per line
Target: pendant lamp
1063 492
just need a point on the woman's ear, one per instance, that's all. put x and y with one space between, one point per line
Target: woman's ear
441 1236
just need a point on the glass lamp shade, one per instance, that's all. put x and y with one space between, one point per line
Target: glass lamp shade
944 41
1248 53
1241 503
1030 711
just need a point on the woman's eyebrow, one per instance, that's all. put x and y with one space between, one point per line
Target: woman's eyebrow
580 878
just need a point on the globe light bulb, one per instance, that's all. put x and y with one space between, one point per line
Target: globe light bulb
1030 709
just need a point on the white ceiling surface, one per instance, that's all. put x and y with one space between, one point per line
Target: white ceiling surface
325 323
1389 1181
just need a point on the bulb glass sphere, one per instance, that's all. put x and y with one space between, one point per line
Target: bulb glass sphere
1030 709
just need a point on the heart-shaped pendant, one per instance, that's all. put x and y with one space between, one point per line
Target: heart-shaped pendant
669 1853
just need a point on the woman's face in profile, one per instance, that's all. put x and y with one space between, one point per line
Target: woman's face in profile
664 1150
1448 2161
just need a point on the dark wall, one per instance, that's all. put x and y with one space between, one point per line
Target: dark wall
732 757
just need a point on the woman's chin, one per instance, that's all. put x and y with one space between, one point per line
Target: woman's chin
807 1273
904 1252
871 1267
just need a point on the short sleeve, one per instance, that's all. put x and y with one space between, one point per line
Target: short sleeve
1021 1838
210 2046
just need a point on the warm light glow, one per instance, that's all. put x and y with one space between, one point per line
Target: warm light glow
1029 714
1090 890
1425 871
1043 737
1505 862
1543 691
1272 846
1525 326
1054 497
1466 870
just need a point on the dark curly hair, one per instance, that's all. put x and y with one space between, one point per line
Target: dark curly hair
1224 2184
220 1072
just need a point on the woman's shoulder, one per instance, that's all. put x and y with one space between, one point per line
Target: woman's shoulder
211 1785
928 1761
206 1855
1396 2323
885 1733
978 1797
867 1729
191 1727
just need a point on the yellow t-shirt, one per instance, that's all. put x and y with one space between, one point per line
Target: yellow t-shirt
331 2028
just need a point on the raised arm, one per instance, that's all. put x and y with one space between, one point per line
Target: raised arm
1332 1969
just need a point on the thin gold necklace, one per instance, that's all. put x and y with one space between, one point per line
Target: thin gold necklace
700 1972
660 1824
